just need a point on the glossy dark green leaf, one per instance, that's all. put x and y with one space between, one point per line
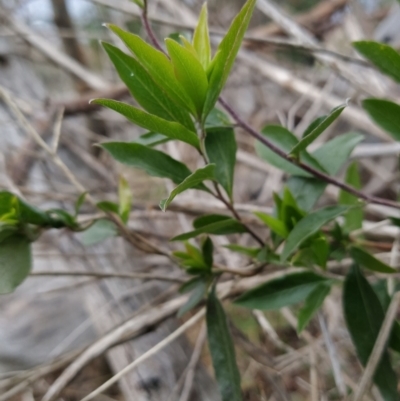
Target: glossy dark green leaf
354 217
276 225
283 291
226 54
15 262
312 304
306 191
152 139
98 232
317 130
145 90
158 65
222 351
386 114
189 73
383 56
221 147
286 141
364 316
172 130
198 290
154 162
201 38
308 226
221 226
368 261
125 199
336 152
192 181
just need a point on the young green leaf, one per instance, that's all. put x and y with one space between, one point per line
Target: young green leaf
354 217
224 226
334 154
222 351
286 141
158 65
153 162
226 54
386 114
99 232
189 73
277 226
364 316
317 130
221 147
308 226
193 180
201 39
152 139
172 130
383 56
311 305
145 90
125 199
283 291
15 262
365 259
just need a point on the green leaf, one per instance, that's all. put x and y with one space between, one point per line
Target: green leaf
286 141
306 191
79 202
335 153
208 250
365 259
201 39
154 162
277 226
145 90
382 56
308 226
139 3
189 73
152 139
222 351
151 122
15 262
317 130
283 291
244 250
221 147
199 288
226 54
158 65
364 316
217 119
354 217
192 181
99 231
125 199
311 305
106 206
386 114
224 226
6 230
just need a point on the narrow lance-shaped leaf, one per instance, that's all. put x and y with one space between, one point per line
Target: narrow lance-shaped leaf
152 139
125 199
189 72
157 64
172 130
222 351
15 262
386 114
226 54
308 226
277 226
201 39
320 127
383 56
283 291
354 217
221 147
153 162
364 317
193 180
311 305
369 261
144 89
